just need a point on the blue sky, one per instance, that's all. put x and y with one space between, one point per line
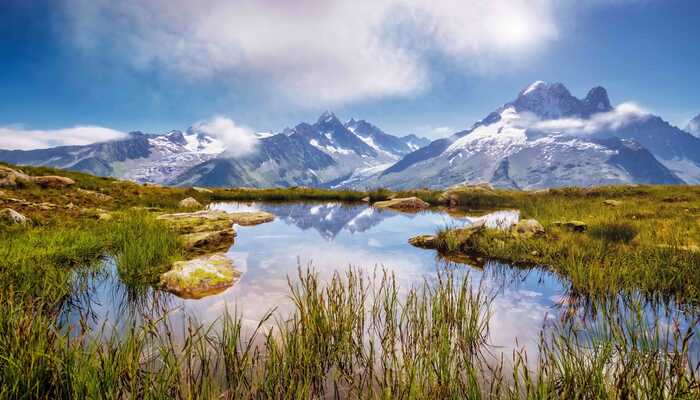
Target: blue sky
409 66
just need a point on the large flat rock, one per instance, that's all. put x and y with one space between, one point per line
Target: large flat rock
209 230
200 277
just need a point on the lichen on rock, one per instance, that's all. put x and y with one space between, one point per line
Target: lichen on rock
200 277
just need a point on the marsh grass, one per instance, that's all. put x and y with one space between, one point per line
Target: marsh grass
627 351
144 247
355 336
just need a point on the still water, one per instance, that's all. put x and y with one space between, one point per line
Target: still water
329 237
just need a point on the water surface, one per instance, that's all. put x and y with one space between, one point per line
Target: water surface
331 237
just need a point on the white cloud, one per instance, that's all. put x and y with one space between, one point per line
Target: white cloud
333 51
238 140
622 115
18 138
435 131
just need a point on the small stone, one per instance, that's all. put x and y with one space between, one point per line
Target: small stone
200 277
104 216
202 190
11 216
46 206
190 202
101 197
613 203
365 199
405 203
423 241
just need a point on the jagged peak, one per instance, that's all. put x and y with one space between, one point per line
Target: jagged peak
176 136
542 88
597 99
326 117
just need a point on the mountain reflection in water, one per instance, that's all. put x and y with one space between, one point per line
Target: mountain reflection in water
329 237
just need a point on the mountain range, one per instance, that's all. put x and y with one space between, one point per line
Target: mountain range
546 137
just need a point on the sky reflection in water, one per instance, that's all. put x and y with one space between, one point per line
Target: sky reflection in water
330 237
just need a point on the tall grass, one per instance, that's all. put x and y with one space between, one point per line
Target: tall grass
614 232
145 248
626 352
356 336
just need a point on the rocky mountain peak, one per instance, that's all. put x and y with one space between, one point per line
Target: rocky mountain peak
176 137
327 117
597 100
547 100
553 100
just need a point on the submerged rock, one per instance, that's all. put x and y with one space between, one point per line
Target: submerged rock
209 240
423 241
200 277
10 216
404 203
189 202
573 226
527 228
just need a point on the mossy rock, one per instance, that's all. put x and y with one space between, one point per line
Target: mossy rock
200 277
527 228
209 241
190 202
423 241
404 203
208 220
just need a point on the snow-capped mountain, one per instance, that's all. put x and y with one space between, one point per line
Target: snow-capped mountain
383 142
308 154
546 138
694 126
140 157
325 153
